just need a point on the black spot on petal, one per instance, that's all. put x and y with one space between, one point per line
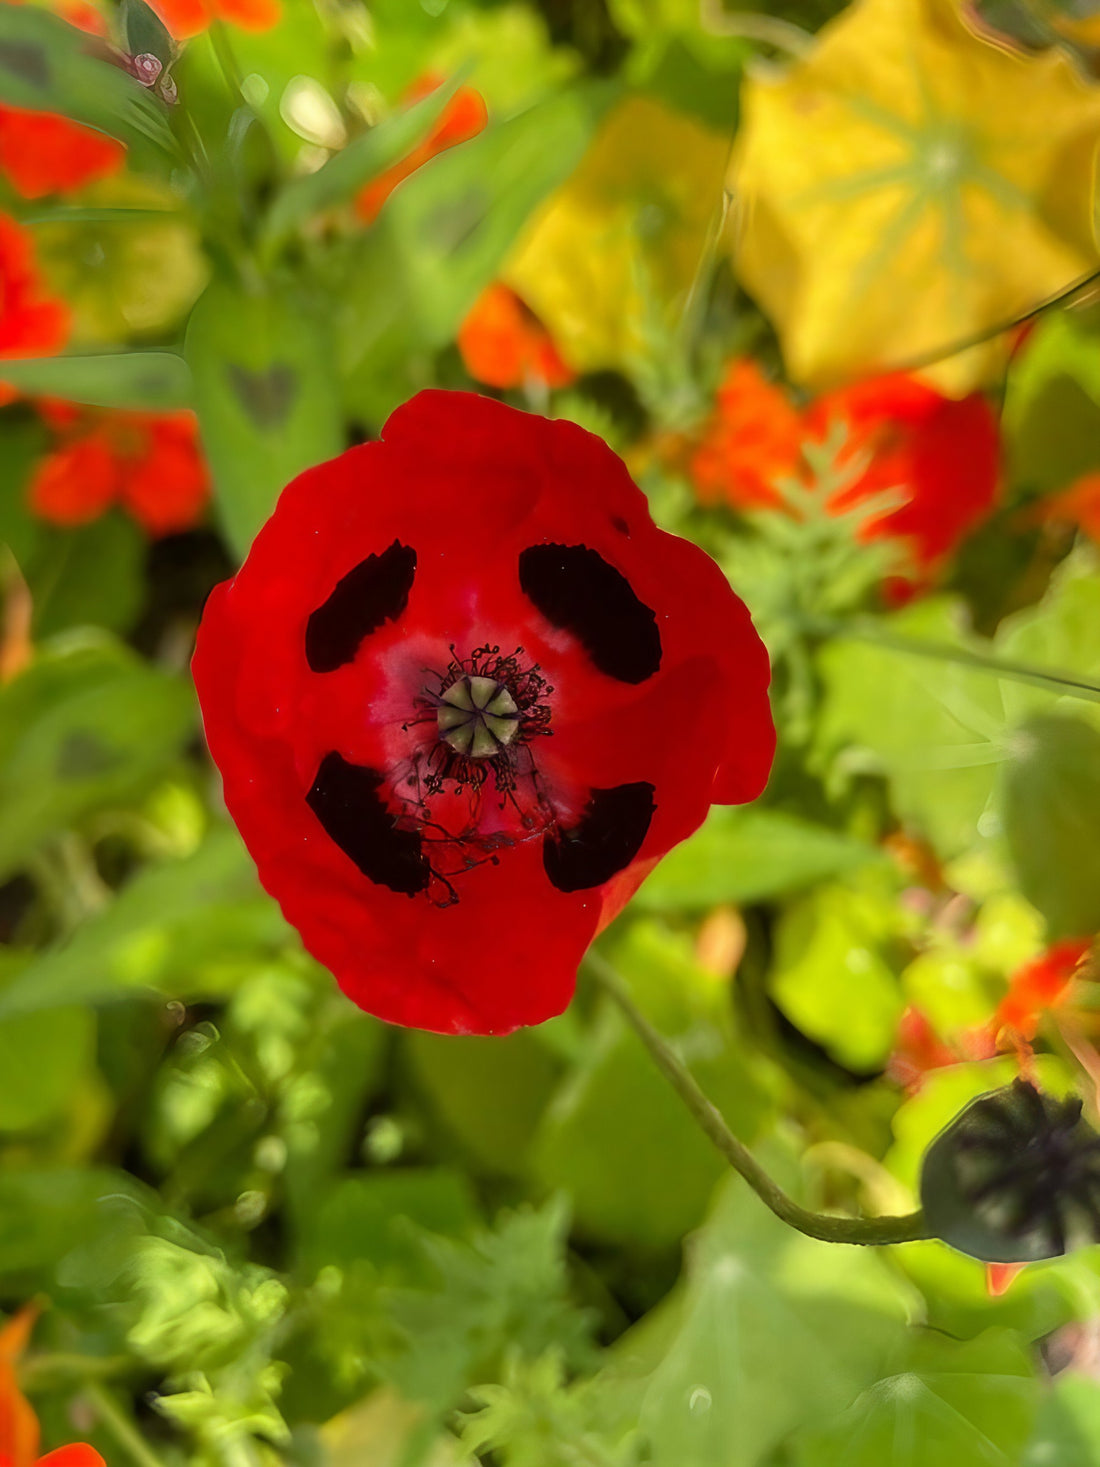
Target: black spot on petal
605 841
577 590
376 591
346 800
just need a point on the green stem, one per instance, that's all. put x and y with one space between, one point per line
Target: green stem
227 61
826 1227
121 1427
1023 672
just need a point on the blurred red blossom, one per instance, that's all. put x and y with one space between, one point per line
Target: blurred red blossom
186 18
939 455
41 153
19 1431
1041 984
32 323
504 344
150 463
464 116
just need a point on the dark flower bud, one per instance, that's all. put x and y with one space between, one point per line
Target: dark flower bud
1014 1178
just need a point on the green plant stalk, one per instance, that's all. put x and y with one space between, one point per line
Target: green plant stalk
120 1427
823 1226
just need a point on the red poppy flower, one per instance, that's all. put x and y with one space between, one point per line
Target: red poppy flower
41 153
19 1433
31 323
148 462
939 456
504 344
464 116
464 695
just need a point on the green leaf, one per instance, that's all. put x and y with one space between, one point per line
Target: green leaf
43 1058
1051 814
749 855
490 1093
94 574
833 974
969 1403
364 158
163 931
157 381
45 1212
47 65
87 725
616 1137
266 396
772 1330
442 238
933 727
1067 1431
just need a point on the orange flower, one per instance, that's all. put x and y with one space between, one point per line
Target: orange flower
41 153
753 440
941 457
464 116
31 323
148 462
19 1433
186 18
1041 984
504 344
917 1049
1078 505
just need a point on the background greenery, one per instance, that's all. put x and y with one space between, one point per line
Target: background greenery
265 1227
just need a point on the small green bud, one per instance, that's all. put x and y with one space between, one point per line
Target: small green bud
1014 1178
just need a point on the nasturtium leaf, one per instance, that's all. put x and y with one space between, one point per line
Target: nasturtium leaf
969 1403
153 380
933 727
90 575
1051 814
489 1093
48 65
87 724
744 854
266 395
615 1137
1067 1429
614 250
1051 416
909 185
770 1331
441 238
1060 634
835 973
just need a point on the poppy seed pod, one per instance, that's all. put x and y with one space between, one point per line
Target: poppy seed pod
464 695
1014 1178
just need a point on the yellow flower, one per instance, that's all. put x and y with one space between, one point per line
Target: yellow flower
908 186
612 254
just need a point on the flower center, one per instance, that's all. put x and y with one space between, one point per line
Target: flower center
477 716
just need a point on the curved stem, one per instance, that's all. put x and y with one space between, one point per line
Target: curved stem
120 1426
829 1229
